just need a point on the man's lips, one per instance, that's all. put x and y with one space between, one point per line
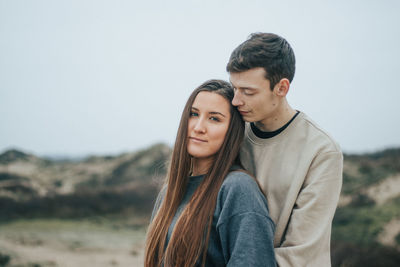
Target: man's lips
197 139
243 112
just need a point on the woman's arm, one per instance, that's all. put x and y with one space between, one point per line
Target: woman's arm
244 227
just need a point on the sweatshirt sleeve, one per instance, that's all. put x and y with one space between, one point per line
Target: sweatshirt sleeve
244 226
307 239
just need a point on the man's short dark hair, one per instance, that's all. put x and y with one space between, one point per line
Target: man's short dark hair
266 50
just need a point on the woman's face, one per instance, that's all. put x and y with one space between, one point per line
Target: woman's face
208 123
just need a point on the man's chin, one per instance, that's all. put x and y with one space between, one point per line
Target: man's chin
248 118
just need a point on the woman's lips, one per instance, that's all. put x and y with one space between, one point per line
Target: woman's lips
194 139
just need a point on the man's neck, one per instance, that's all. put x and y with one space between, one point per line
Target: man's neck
277 120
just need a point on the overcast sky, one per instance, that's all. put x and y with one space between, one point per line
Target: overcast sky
105 77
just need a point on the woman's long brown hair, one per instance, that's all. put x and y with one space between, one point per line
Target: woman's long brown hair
189 241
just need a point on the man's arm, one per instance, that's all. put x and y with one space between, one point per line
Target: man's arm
307 238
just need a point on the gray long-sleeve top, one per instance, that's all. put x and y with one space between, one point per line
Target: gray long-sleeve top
242 231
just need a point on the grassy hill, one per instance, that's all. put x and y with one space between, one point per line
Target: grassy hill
366 227
31 187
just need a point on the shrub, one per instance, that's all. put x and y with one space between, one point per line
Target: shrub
4 259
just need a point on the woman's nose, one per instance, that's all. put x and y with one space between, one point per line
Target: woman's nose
200 126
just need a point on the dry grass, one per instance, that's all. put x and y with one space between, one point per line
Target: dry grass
72 243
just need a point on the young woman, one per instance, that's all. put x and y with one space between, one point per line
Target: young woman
211 212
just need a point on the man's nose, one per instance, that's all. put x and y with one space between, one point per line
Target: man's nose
236 101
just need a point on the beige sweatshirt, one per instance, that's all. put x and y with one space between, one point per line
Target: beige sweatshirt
300 171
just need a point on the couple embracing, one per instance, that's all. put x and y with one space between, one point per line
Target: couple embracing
252 181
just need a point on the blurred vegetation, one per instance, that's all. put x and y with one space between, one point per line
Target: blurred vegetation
81 204
360 223
144 164
357 225
397 238
129 186
372 168
4 259
375 255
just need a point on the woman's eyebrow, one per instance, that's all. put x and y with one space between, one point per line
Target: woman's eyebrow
211 112
216 112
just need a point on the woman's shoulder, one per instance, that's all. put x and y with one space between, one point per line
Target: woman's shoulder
239 195
239 179
239 185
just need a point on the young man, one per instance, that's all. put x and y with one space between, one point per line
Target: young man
298 165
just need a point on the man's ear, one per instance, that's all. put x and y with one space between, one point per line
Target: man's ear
282 87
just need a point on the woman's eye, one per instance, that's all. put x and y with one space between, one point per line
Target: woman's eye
214 119
194 114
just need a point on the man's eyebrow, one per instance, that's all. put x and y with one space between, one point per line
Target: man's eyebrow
243 88
247 88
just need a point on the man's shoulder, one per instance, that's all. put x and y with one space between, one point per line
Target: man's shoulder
301 132
316 135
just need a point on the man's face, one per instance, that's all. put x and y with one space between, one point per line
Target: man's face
253 96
